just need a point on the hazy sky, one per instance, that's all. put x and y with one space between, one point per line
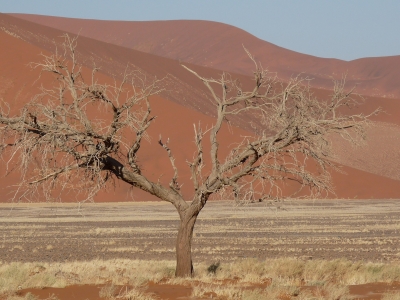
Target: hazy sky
344 29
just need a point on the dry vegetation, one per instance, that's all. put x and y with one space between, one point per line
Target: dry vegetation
243 279
304 249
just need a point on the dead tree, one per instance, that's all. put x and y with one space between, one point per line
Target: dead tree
60 144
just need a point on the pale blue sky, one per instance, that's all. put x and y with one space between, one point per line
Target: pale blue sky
344 29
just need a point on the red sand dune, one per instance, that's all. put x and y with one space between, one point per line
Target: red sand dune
181 87
380 155
16 83
219 46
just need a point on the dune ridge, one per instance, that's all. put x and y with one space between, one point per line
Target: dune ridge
220 46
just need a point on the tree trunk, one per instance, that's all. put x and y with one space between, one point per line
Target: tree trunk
184 265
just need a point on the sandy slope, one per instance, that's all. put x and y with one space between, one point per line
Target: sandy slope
219 46
16 84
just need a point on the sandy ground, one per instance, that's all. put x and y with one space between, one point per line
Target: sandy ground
181 292
357 230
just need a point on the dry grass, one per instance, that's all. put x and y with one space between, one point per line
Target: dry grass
112 292
135 294
108 291
276 290
313 272
29 296
16 276
391 296
229 281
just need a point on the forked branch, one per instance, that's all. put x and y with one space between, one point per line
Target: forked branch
174 181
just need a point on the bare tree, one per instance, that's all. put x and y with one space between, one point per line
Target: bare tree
61 144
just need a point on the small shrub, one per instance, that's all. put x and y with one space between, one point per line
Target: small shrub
212 269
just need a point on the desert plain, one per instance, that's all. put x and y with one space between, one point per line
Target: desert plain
115 241
365 230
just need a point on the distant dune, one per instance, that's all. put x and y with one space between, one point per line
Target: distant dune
219 46
183 103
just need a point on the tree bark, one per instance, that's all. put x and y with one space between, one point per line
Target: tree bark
184 265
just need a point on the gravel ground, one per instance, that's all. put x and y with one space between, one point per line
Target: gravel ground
325 229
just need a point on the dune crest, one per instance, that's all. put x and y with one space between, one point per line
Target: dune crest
220 46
